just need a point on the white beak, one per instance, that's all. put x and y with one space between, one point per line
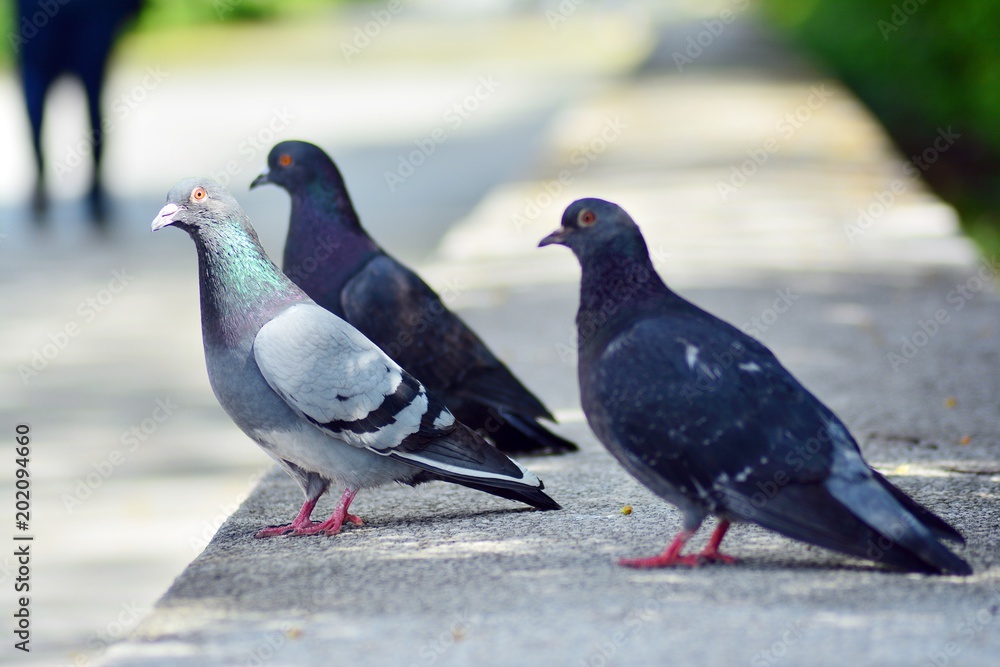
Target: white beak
165 216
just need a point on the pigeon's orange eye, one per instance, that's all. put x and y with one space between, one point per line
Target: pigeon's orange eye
198 194
586 218
285 160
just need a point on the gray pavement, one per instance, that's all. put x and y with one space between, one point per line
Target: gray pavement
443 575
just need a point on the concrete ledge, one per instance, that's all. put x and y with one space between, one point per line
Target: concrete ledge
441 575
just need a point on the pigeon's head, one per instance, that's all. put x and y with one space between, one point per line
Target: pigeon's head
594 225
295 164
196 204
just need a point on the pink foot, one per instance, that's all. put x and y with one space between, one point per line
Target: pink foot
711 553
332 525
304 526
301 523
717 557
326 527
663 560
289 530
672 556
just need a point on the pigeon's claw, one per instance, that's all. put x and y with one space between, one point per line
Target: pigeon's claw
336 521
328 527
672 556
717 557
287 530
298 526
663 560
711 553
331 526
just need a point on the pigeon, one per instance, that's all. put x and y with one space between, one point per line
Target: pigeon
330 256
321 399
707 418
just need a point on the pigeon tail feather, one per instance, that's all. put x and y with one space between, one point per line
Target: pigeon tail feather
526 436
941 528
497 386
464 458
805 513
897 528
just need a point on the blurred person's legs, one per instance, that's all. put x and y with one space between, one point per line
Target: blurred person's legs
100 35
77 40
38 71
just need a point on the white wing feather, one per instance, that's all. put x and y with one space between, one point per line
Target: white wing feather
328 371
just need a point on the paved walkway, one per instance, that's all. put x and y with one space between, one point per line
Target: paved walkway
443 575
119 515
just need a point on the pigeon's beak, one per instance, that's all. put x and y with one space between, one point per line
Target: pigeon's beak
557 237
165 217
265 177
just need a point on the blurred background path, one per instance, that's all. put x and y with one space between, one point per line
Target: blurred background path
749 172
126 492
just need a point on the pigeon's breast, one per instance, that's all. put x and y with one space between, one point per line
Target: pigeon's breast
243 392
311 449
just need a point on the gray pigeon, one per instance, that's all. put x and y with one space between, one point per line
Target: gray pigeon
321 399
707 418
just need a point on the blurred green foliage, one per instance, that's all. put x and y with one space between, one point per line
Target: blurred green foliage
187 12
920 66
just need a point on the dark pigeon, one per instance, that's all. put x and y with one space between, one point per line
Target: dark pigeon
708 419
321 399
330 256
